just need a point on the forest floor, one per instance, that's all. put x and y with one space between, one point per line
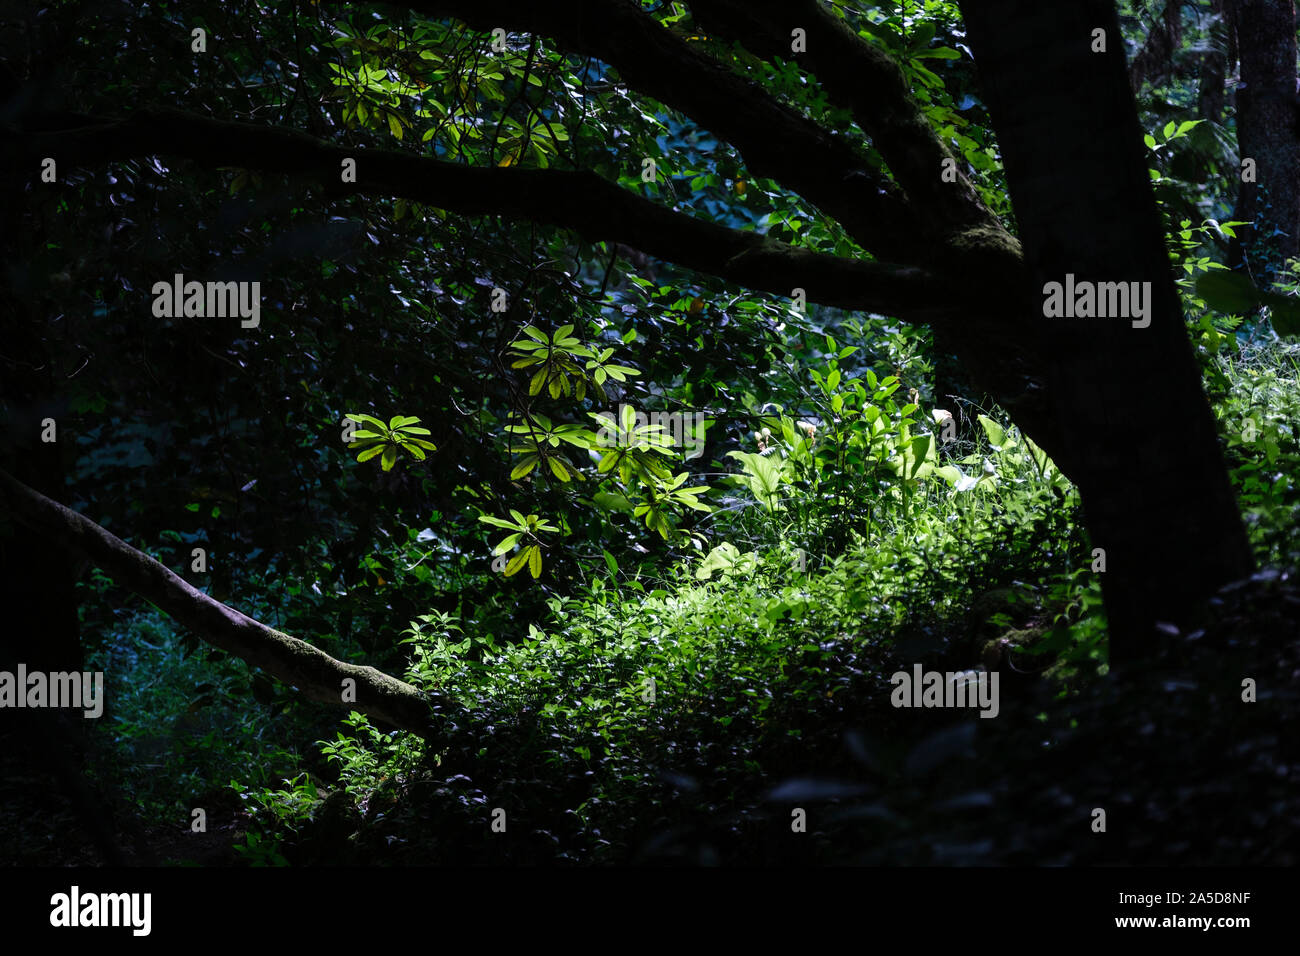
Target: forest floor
1186 771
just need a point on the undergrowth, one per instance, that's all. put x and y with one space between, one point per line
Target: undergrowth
636 704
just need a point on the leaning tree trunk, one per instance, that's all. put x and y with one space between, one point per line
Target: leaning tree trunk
1138 429
1267 134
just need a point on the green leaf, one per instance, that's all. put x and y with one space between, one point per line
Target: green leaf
938 53
1231 293
922 448
883 33
558 469
612 501
514 565
949 473
996 434
764 476
1284 312
922 35
508 542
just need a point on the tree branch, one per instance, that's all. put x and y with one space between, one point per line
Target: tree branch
317 675
867 81
775 140
582 201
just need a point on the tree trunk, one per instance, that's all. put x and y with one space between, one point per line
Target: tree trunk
1267 133
1138 429
1155 60
1214 67
36 572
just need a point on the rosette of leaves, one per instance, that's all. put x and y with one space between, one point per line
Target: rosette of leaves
602 369
536 439
555 360
631 448
378 439
664 498
521 527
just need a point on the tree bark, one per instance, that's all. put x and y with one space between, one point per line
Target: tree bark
775 140
1155 60
867 81
593 207
317 675
1267 132
33 571
1214 67
1140 432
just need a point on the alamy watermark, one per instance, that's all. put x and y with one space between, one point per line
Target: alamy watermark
75 908
1098 300
70 689
923 688
178 298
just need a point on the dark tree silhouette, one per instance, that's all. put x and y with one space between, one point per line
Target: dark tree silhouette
1157 498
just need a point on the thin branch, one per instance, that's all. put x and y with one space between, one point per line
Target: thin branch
582 201
866 80
775 140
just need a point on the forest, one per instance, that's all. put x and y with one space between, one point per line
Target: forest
592 433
